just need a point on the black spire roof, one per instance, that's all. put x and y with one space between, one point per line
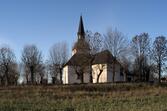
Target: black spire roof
81 27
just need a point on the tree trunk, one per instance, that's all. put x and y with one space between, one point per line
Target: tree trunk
140 70
7 77
61 73
159 71
53 80
2 81
113 76
91 62
125 76
148 75
27 78
91 77
98 76
82 78
80 75
32 74
41 82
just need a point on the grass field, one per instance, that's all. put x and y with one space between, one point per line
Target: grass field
90 97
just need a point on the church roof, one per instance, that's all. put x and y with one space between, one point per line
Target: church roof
79 59
81 30
103 57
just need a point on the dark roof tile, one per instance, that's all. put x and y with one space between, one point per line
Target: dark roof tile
103 57
79 59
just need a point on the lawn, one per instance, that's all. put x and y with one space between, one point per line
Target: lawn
87 97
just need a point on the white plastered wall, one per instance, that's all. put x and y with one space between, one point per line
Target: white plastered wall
70 77
118 77
65 75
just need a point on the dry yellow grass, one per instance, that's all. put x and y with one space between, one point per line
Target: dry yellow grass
87 97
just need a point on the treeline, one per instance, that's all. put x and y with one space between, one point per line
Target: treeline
140 57
32 69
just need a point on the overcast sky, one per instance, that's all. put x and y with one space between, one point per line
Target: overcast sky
45 22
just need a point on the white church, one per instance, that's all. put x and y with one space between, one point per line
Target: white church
82 69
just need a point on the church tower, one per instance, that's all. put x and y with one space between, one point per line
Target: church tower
81 46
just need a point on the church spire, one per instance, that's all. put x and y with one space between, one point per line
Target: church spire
81 32
81 46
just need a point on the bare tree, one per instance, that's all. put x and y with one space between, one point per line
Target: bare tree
80 64
160 53
80 70
116 43
98 71
95 41
32 60
141 51
8 67
41 74
58 56
125 68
